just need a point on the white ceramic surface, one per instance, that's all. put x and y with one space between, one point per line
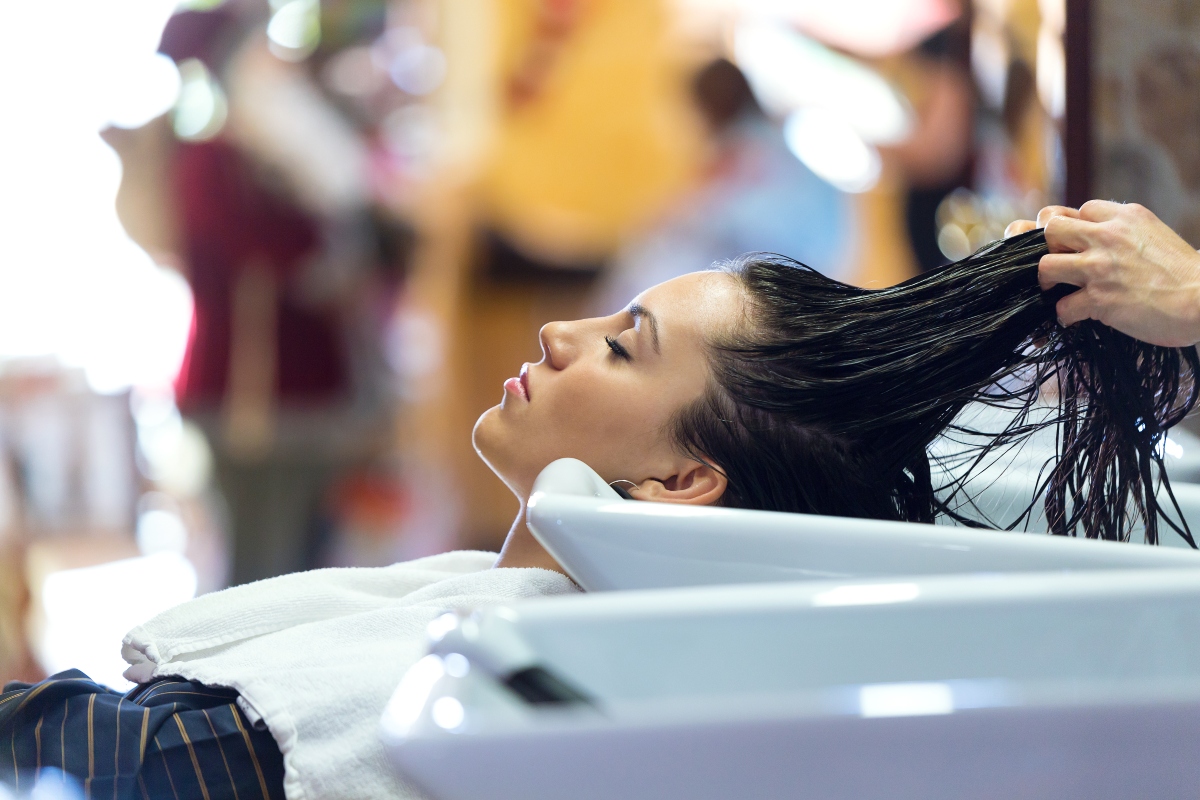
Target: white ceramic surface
1081 685
607 543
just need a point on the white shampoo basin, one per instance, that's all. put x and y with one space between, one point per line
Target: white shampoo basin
1082 685
607 543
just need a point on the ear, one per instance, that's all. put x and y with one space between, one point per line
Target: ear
694 484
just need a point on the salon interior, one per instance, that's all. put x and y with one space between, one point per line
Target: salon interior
416 187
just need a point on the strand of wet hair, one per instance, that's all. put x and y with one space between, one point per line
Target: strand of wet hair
887 371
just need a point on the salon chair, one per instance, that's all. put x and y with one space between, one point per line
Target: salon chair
1049 685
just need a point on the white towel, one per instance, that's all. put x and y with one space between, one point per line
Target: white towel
316 655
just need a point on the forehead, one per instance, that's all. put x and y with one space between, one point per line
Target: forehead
698 304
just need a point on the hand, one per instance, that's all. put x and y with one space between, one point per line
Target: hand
1135 274
1019 226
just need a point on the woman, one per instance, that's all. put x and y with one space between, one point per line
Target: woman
763 385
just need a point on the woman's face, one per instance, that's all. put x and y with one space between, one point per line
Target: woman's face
607 389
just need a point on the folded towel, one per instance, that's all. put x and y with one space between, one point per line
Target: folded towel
315 656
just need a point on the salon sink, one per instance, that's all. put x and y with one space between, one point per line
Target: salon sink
607 543
1079 685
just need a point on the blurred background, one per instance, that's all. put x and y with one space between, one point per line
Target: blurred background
262 264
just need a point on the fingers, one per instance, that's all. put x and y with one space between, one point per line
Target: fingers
1019 226
1048 212
1099 210
1073 308
1059 268
1068 234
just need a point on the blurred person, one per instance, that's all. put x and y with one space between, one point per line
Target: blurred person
583 135
284 369
754 195
762 385
936 158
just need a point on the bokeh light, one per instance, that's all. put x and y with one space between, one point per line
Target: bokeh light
831 148
73 285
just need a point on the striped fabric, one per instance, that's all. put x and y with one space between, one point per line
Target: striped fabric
171 739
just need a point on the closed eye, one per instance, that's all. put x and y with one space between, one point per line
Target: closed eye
617 348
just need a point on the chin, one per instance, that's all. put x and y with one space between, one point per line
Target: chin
495 448
484 434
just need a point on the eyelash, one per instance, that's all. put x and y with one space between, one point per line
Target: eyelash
617 348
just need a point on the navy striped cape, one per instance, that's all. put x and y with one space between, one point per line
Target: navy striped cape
171 739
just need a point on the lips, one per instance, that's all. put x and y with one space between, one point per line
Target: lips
519 385
524 379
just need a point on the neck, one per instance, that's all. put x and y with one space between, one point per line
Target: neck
522 550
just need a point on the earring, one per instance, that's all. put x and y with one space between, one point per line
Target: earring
624 493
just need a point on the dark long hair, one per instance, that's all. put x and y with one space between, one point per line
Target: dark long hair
828 402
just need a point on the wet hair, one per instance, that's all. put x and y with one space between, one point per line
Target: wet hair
827 400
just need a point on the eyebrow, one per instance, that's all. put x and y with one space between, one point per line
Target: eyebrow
639 311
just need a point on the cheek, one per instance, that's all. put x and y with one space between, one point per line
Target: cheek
605 420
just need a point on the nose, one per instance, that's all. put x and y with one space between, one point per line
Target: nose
557 344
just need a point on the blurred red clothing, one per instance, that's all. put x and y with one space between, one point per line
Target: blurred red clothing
231 222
